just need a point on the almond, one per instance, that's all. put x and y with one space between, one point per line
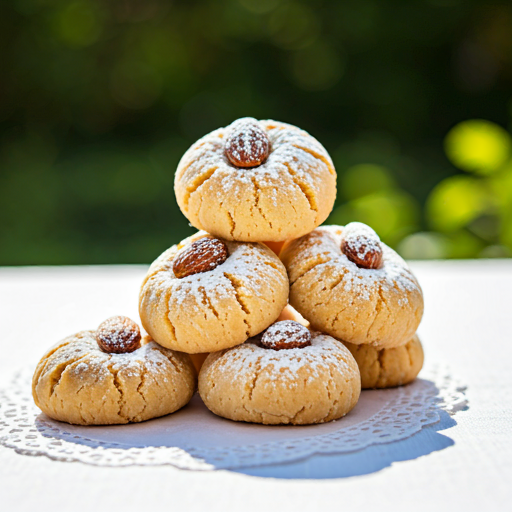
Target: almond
200 256
285 335
362 245
247 145
118 335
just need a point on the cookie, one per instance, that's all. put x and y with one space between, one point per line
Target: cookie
256 181
350 285
311 383
288 313
388 367
78 382
216 307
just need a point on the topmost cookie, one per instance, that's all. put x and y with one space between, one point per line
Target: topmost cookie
256 181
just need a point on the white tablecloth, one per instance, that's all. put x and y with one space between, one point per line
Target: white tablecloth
464 463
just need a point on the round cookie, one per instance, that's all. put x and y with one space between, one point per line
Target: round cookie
380 306
78 383
214 309
288 313
289 191
388 367
298 386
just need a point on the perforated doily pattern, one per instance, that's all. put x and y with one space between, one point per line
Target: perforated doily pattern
410 408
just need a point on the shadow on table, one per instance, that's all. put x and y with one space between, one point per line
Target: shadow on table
370 460
362 462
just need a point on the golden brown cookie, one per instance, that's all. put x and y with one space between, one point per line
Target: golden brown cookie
256 181
299 386
217 308
77 382
388 367
288 313
357 296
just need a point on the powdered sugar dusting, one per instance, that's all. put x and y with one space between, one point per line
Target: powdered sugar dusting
201 255
286 334
81 354
256 269
394 275
362 239
246 144
118 334
295 156
283 365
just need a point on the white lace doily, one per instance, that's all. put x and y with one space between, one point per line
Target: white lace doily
194 438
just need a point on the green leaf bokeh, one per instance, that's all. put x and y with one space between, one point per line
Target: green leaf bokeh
100 98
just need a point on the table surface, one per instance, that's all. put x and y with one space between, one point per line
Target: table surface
463 463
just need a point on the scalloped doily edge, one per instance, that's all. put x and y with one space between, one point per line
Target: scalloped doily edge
450 397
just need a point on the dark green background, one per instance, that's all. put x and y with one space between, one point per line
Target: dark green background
99 100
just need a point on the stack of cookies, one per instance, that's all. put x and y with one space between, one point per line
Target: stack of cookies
274 319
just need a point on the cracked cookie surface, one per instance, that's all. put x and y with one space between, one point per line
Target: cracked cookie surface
388 367
288 195
78 383
382 307
217 309
299 386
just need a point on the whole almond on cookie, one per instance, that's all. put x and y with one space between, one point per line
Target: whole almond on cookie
118 335
285 335
362 246
247 145
200 256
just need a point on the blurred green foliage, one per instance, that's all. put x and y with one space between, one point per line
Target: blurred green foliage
100 98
